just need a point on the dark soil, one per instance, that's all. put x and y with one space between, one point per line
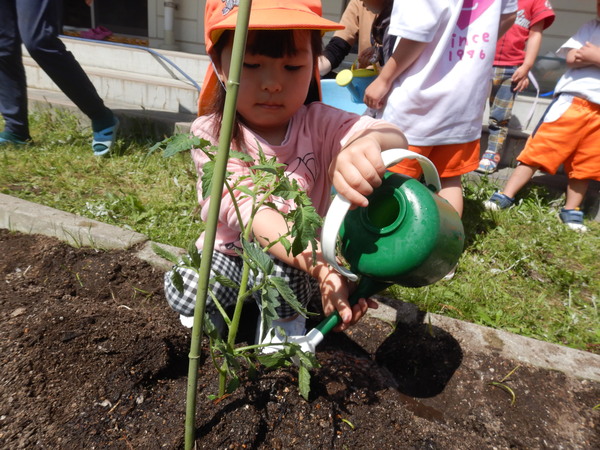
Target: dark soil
92 357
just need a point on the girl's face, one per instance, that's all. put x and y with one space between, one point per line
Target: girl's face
272 89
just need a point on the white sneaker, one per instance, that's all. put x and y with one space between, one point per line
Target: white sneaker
186 321
292 328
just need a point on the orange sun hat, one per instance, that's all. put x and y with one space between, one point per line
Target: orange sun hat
221 15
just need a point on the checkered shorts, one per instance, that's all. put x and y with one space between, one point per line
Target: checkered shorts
304 286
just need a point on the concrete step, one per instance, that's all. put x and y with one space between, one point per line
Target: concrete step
132 75
155 124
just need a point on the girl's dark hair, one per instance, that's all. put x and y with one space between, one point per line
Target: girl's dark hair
272 43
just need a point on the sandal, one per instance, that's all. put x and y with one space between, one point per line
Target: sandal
573 218
489 162
99 33
104 139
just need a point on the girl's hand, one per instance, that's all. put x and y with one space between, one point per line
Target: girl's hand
358 169
335 290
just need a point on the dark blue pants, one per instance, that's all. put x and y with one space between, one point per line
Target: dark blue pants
36 24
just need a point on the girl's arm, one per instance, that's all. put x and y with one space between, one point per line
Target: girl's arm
355 172
406 53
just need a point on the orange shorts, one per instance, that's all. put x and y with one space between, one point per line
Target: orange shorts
450 160
568 134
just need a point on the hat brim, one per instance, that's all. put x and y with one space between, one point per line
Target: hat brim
275 19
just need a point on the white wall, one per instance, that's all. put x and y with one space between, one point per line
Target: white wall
189 27
189 22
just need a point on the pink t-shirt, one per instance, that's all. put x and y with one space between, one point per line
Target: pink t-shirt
316 134
510 50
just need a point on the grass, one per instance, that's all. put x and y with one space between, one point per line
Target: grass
522 271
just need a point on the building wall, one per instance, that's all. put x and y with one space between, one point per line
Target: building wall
189 29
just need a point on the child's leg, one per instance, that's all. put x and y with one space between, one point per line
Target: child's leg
519 178
453 193
576 190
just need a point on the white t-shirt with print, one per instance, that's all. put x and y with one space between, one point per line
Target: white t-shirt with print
583 81
441 98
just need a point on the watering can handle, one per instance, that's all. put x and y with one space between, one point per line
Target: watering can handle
340 206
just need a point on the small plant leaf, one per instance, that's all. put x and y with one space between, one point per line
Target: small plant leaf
255 253
304 381
306 224
226 281
207 177
194 256
177 280
287 294
163 253
181 143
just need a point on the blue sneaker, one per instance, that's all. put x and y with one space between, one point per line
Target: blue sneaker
6 137
498 201
573 218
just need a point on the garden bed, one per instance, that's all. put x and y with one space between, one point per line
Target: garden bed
92 357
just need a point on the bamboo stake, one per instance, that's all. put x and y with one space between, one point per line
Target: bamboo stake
232 86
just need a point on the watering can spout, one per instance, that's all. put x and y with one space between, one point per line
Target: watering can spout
356 81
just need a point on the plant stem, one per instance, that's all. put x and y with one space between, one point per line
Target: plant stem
239 45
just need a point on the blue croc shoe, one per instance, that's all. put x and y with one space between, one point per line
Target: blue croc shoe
6 137
104 139
573 218
498 201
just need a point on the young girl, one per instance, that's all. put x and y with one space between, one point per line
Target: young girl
320 146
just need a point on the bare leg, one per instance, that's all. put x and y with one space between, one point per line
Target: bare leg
576 190
452 192
519 178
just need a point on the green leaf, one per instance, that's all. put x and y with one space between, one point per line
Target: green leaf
206 180
226 281
268 303
163 253
183 142
194 255
177 280
306 222
233 384
287 294
245 157
255 253
304 382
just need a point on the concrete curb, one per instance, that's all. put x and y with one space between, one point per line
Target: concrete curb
27 217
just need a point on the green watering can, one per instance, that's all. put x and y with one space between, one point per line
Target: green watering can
356 80
407 235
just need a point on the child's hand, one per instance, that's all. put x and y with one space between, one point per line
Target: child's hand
376 93
520 79
367 57
589 54
357 170
335 290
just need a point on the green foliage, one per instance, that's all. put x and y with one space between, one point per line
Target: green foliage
264 180
522 261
